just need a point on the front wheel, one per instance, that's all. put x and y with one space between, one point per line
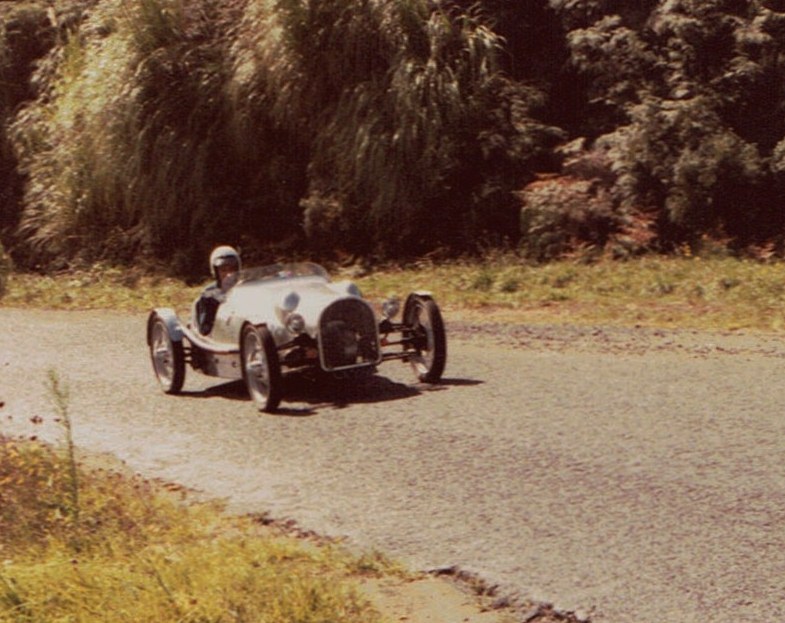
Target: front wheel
261 367
168 357
429 342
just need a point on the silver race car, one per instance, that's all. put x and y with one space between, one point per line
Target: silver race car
290 318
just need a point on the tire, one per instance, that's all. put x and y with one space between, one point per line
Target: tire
261 367
167 356
424 321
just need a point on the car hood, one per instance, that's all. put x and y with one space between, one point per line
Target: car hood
267 301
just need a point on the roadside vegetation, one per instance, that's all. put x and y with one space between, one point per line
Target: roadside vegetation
712 291
91 544
387 130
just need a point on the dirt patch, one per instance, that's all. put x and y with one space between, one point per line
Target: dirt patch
429 600
440 600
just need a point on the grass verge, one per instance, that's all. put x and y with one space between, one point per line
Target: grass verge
716 293
133 551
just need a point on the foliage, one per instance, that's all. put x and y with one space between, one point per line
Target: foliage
131 150
5 270
560 215
161 127
25 35
164 122
413 131
694 135
577 213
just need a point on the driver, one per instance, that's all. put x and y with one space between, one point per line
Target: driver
225 266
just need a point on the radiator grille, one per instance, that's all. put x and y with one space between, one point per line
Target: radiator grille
348 335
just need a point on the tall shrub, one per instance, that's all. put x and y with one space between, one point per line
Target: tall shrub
413 134
134 148
165 126
26 34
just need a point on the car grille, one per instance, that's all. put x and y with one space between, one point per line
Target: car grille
348 335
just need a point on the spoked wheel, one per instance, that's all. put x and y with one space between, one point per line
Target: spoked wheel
168 357
424 321
261 367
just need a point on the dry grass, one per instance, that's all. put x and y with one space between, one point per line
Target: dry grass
85 544
138 553
714 293
99 287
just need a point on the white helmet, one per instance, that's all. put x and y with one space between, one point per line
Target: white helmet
223 255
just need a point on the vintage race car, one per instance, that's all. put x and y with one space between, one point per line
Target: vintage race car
291 318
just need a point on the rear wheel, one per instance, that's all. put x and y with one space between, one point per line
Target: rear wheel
261 367
429 342
167 356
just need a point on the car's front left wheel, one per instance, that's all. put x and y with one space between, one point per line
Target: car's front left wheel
261 367
428 342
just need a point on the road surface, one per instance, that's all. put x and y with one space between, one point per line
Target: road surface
623 475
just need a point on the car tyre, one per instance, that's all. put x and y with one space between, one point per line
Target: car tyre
426 326
261 367
167 356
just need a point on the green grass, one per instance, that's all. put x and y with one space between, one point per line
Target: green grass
714 293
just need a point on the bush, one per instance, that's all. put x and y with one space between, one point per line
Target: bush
563 215
680 155
577 212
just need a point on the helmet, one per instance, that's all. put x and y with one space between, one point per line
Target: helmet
221 256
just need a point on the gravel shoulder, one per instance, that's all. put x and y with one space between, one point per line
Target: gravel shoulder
608 339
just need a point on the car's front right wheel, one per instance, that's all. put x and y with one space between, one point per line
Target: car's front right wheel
261 367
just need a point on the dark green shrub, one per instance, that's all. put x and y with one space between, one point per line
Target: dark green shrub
577 212
564 215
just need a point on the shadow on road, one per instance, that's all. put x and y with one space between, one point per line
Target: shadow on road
340 394
459 383
316 393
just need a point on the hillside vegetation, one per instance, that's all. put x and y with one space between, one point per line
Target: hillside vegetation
157 128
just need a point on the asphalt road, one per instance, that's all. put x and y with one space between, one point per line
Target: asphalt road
623 475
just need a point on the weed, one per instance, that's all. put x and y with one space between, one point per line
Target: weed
483 281
662 287
509 285
59 395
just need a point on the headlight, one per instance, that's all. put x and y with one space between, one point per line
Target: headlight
391 307
290 302
295 323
